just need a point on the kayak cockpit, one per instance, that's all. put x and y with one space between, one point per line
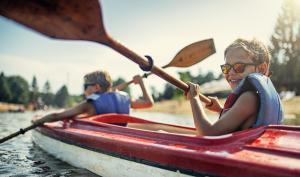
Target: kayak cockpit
137 123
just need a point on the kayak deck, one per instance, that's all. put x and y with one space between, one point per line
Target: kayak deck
263 151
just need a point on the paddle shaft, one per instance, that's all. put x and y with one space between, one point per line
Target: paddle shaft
21 131
142 62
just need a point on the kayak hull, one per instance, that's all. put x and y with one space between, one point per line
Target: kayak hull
98 163
111 150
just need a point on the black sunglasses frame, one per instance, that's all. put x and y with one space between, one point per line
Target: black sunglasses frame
85 86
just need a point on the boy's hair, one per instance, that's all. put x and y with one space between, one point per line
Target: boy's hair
258 52
99 77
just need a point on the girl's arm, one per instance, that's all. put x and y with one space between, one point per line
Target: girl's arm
243 111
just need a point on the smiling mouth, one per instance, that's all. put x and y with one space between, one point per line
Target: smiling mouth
234 81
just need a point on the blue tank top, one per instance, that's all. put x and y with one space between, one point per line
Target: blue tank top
270 107
110 102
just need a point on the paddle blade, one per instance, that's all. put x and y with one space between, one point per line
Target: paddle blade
75 19
193 54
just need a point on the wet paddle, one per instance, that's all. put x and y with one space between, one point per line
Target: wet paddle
188 56
21 131
75 20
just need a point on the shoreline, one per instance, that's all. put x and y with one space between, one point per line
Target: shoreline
182 106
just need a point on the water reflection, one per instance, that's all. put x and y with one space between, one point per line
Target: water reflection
21 157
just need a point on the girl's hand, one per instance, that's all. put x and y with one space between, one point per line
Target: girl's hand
215 105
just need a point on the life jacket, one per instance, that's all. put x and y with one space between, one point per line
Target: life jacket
110 102
270 108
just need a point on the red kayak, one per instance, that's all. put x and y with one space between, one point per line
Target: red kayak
121 145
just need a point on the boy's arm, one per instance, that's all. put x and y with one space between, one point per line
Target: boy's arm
84 107
146 101
121 86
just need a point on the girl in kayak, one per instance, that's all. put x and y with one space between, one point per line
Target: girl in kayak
101 98
254 101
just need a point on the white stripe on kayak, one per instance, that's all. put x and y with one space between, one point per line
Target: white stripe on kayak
100 164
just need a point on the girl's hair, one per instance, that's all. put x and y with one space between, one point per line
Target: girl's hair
99 77
258 52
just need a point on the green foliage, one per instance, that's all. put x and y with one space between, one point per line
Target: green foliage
19 88
120 81
61 97
15 89
171 92
285 48
5 94
185 76
34 91
47 96
75 99
155 94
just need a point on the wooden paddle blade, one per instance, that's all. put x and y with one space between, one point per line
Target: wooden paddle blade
61 19
193 54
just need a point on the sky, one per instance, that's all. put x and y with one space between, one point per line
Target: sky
156 28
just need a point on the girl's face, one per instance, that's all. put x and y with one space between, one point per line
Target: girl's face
242 63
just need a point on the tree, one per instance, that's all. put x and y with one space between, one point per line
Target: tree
19 88
155 94
120 81
285 48
169 92
61 97
185 76
47 95
5 94
34 91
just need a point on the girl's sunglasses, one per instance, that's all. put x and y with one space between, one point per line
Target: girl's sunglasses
237 67
85 86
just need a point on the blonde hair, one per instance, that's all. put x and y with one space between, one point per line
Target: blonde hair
258 52
99 77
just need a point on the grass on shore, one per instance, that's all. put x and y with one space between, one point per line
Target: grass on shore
182 106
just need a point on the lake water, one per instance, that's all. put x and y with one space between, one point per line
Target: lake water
21 157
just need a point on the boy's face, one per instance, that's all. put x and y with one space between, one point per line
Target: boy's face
233 57
90 89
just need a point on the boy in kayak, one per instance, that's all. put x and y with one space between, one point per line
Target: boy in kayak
254 101
101 99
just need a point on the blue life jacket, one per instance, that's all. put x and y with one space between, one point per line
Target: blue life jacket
110 102
270 107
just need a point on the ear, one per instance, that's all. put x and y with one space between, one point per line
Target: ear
263 68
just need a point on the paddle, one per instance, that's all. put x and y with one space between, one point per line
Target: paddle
21 131
76 21
73 20
188 56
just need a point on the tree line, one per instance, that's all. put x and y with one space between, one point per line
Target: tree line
285 48
15 89
172 92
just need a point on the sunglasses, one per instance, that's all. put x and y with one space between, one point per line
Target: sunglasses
237 67
85 86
